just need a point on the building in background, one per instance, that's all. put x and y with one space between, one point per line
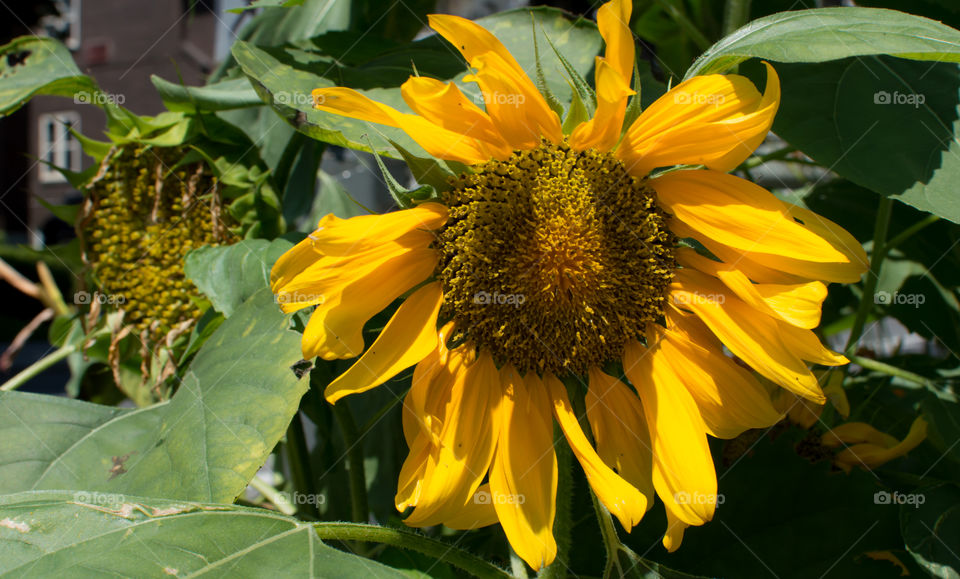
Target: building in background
120 44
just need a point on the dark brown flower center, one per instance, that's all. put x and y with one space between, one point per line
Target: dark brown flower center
554 259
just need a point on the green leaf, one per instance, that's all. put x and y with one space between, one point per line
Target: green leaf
887 124
275 25
220 96
431 171
65 213
233 405
230 274
31 65
266 4
943 433
404 198
89 534
824 34
931 529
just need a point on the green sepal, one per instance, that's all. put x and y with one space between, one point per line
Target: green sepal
634 106
405 198
552 101
581 87
431 171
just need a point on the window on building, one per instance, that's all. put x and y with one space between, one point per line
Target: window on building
56 145
64 26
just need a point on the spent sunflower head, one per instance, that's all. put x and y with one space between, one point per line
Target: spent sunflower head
560 256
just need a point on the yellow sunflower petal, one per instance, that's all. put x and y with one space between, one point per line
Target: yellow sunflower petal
410 482
613 21
335 329
620 497
523 478
517 108
426 391
872 456
729 398
409 336
683 471
439 142
742 215
468 437
674 534
444 104
342 237
807 345
292 263
477 513
797 304
856 433
470 38
756 272
754 339
603 131
833 233
712 120
620 430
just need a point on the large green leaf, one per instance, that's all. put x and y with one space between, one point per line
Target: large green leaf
87 534
225 95
233 405
826 34
887 124
31 65
930 523
230 274
285 76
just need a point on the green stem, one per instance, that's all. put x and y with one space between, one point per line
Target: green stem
881 225
517 566
358 479
299 458
608 532
405 539
877 366
684 22
37 367
563 524
778 155
911 231
275 497
735 15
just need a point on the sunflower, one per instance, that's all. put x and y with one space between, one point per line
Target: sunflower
572 258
